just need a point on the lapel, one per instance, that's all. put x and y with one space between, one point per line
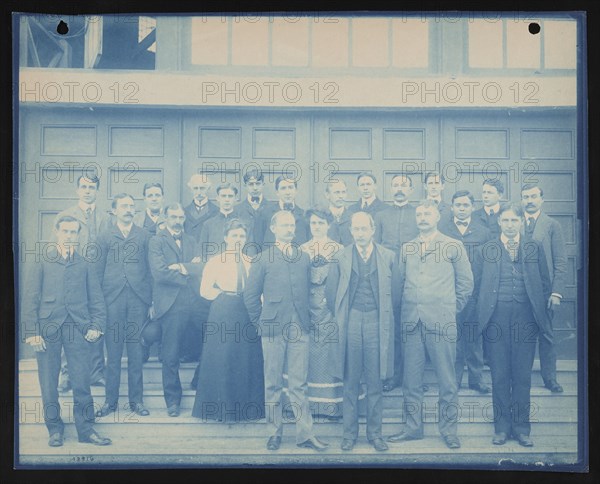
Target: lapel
432 247
541 226
170 241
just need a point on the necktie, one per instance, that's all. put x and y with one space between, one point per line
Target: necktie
288 206
491 212
88 212
178 238
436 201
364 205
90 220
241 276
464 224
363 253
255 199
530 224
512 246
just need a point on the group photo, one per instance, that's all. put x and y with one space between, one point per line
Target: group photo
297 240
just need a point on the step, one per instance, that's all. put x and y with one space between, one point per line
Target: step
174 449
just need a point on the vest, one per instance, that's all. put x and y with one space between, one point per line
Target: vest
364 296
512 283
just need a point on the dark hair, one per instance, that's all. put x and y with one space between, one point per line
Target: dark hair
66 218
319 212
120 196
173 206
366 173
254 173
92 178
227 186
529 186
234 224
429 174
511 206
334 181
152 185
496 183
403 176
463 193
281 178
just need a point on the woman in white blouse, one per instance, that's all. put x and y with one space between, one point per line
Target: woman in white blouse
230 381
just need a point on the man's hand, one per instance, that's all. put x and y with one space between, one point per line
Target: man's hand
151 312
37 343
197 260
553 302
92 335
179 268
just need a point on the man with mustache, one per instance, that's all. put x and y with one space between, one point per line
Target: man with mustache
127 286
339 230
176 269
548 233
433 282
393 227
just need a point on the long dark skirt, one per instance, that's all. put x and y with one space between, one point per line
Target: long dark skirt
231 378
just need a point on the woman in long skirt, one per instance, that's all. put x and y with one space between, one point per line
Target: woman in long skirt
230 382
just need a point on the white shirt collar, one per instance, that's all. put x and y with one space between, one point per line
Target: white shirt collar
533 215
281 203
369 251
84 206
369 201
151 215
466 220
122 228
335 211
505 239
401 204
495 208
260 199
202 203
171 232
437 199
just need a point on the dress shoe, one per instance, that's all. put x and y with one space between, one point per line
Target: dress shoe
105 410
56 440
524 440
274 442
389 385
139 409
554 386
100 382
452 441
94 438
348 444
480 387
314 443
499 438
402 437
173 410
378 444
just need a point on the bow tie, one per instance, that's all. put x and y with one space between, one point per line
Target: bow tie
464 224
288 206
178 236
255 199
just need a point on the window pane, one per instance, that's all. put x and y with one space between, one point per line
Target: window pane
560 44
330 43
250 41
290 41
209 40
523 47
370 42
410 43
485 44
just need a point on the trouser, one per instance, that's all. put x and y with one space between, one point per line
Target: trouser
292 348
192 339
76 348
547 351
362 360
174 323
398 350
510 339
440 344
126 315
469 350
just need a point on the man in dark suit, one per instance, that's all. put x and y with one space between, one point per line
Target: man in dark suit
393 227
359 296
201 208
473 235
127 287
548 232
196 214
491 193
281 276
286 188
368 202
432 284
251 209
153 217
339 229
211 240
63 307
513 287
92 221
434 186
175 267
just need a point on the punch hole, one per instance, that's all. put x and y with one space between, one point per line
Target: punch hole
62 28
534 28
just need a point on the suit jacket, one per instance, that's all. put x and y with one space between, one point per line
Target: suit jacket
57 289
490 222
162 252
486 267
194 220
302 230
549 234
436 286
395 225
252 217
375 207
339 231
141 219
103 222
339 294
124 261
284 284
445 209
211 240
